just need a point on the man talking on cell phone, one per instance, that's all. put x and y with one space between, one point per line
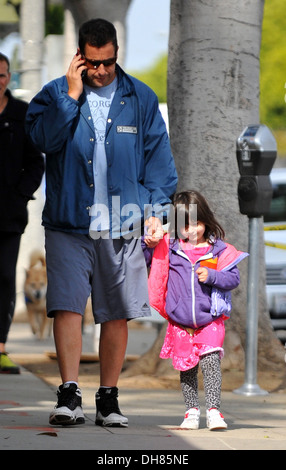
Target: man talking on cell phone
108 166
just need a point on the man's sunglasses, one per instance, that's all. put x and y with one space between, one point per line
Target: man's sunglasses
96 63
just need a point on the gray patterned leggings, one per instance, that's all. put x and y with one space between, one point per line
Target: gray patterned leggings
210 366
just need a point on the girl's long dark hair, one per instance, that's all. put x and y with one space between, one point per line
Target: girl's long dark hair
192 205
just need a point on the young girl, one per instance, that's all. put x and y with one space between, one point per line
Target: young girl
192 273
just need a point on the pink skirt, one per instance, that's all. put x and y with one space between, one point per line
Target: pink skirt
185 350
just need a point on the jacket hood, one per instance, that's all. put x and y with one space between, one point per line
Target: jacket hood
215 250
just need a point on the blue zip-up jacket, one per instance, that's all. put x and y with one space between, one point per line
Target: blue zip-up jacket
141 168
175 291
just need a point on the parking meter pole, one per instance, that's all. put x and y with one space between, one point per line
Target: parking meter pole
250 386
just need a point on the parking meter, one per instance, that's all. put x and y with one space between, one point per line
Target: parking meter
256 152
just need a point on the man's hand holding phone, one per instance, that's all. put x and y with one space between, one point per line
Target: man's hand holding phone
74 76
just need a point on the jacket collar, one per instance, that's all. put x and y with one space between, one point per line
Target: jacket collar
11 109
125 84
216 249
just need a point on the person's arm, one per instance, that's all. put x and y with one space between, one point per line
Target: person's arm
227 280
33 170
148 252
52 112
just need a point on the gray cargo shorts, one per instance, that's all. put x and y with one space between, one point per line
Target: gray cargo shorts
113 271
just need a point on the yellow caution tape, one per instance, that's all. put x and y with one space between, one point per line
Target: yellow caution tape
282 246
275 227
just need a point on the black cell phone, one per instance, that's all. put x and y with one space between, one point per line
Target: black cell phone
83 73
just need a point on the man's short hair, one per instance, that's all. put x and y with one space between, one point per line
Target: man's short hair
97 32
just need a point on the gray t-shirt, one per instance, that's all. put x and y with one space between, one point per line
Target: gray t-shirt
99 100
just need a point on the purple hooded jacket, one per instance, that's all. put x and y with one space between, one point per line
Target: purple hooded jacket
175 291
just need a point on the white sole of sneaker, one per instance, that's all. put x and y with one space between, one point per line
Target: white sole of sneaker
64 416
189 426
112 420
217 427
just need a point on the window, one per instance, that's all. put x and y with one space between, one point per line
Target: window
278 204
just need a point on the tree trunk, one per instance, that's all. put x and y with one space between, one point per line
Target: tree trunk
213 93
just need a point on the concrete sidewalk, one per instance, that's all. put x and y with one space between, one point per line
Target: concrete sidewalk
254 423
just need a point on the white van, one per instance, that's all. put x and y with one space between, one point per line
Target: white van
275 250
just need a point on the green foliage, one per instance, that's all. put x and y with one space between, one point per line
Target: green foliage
156 78
54 19
273 65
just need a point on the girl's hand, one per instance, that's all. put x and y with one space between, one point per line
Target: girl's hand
154 230
202 274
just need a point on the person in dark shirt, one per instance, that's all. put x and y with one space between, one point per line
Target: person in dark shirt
21 171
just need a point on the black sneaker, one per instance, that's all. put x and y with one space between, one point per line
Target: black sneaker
68 410
107 409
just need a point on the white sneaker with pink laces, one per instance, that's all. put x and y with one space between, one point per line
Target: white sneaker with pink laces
192 419
215 419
